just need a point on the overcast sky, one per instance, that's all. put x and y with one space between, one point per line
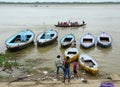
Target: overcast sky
60 0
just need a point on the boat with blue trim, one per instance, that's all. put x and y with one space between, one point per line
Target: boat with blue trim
47 37
67 40
104 40
20 40
87 40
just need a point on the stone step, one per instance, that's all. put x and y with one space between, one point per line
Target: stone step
115 76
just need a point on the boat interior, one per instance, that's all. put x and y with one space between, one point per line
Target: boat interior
67 39
71 52
20 38
47 36
89 40
104 39
89 63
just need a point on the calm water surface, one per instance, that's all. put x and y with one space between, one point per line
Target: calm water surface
98 18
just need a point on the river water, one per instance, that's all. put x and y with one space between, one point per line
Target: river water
99 18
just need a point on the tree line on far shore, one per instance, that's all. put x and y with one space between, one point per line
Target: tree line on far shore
37 2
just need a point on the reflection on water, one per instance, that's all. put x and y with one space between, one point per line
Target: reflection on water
87 50
45 49
104 50
22 53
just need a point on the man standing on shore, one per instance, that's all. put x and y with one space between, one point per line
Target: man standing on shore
59 64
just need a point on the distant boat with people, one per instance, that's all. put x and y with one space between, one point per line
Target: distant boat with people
70 24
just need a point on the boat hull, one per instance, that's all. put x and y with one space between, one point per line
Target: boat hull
17 48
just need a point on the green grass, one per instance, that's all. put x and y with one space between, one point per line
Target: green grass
6 61
1 76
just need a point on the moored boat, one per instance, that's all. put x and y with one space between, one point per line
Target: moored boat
47 37
87 40
67 40
88 63
104 40
72 52
20 40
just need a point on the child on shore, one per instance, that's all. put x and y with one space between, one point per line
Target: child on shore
75 68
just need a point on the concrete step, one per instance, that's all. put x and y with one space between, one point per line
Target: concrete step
115 76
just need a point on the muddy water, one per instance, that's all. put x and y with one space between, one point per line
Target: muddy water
98 18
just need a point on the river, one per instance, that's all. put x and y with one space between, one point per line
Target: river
99 18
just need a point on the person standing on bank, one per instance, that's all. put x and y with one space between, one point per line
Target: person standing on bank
75 68
66 69
73 44
58 64
83 22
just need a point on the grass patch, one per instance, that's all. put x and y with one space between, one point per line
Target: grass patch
31 61
1 76
46 68
7 62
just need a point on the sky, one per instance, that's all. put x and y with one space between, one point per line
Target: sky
61 0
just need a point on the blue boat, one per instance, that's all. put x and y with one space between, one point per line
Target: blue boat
47 37
104 40
87 40
67 40
20 40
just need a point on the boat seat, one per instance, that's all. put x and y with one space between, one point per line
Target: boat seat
47 36
72 52
23 38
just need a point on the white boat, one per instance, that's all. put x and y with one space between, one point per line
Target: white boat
47 37
87 40
104 40
72 53
88 63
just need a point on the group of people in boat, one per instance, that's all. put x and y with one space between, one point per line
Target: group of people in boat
65 24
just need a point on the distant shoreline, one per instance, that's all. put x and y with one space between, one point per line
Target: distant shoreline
53 4
64 3
56 4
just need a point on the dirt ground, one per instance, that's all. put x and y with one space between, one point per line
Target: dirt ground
80 82
73 83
